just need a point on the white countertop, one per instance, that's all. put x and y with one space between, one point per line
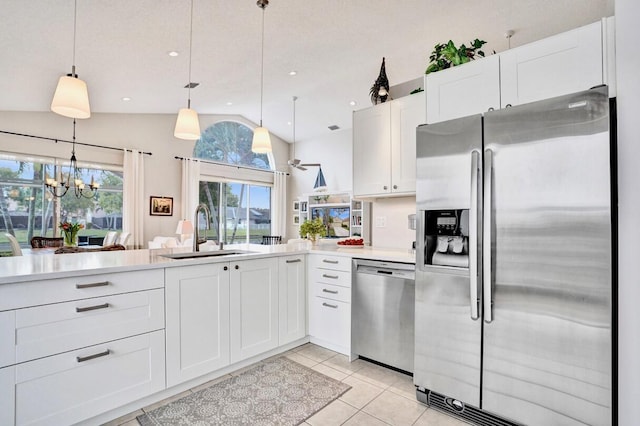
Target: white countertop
48 266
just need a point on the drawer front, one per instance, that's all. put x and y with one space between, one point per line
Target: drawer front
333 292
32 293
328 276
51 329
337 263
331 321
7 338
73 386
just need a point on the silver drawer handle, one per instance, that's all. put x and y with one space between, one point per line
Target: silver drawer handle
333 277
335 262
324 290
92 308
88 357
330 306
100 284
294 261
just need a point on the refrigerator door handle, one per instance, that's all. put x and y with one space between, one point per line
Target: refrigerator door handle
473 237
420 243
487 236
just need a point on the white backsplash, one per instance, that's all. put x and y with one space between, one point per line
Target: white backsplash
389 223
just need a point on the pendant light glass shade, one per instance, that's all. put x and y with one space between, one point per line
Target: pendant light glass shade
261 141
71 98
187 125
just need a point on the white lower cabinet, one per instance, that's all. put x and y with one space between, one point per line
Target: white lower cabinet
7 395
329 302
197 312
292 297
254 307
75 385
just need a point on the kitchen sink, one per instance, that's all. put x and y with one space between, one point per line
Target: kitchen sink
199 254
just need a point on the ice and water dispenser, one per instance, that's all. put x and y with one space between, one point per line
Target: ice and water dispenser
446 238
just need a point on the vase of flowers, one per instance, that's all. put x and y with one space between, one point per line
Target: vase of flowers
70 233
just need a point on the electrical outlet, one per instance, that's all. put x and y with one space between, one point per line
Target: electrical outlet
381 221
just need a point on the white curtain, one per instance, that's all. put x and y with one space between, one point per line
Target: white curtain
190 187
133 202
279 204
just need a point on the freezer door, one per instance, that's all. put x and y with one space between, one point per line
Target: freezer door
547 332
448 329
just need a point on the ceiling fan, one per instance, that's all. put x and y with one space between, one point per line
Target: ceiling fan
296 163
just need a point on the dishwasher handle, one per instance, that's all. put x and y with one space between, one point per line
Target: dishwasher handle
386 272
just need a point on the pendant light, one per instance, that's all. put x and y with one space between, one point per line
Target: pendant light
187 124
261 140
71 98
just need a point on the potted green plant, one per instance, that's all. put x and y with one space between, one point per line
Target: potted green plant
448 55
312 229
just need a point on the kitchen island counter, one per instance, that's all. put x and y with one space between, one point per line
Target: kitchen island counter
48 266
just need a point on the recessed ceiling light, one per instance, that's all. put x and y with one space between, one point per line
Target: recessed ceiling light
353 103
288 123
229 103
293 72
173 53
126 99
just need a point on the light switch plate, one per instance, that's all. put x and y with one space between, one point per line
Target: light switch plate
381 221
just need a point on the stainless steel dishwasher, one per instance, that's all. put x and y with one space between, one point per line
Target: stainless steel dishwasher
383 312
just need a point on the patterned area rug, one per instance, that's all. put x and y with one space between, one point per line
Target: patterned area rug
277 392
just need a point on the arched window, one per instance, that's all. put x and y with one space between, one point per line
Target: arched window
241 209
229 142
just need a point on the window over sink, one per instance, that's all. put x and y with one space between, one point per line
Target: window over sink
239 197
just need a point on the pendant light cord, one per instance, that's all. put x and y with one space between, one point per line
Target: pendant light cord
75 17
262 64
295 98
190 48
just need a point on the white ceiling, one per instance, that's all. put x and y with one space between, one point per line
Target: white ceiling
336 46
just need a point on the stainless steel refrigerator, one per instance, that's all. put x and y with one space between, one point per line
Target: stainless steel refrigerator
514 264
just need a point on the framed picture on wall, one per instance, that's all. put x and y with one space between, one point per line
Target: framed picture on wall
296 219
161 206
296 206
303 206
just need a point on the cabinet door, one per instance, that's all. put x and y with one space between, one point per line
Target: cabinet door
464 90
558 65
254 307
330 324
197 303
292 294
372 150
407 113
7 395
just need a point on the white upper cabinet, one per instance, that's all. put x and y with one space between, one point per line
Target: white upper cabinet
407 113
558 65
372 150
463 90
565 63
384 147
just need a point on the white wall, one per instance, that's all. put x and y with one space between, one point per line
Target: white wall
628 80
333 151
146 132
392 212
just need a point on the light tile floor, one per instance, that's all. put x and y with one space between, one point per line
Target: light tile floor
378 396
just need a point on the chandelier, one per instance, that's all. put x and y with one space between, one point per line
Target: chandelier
59 186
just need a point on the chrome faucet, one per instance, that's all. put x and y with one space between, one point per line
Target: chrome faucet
196 233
